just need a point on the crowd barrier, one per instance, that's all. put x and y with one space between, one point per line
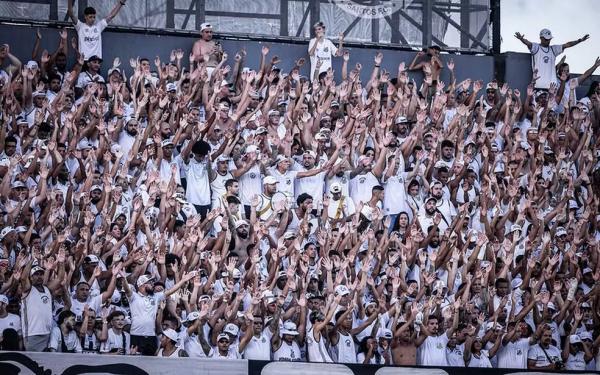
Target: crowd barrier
28 363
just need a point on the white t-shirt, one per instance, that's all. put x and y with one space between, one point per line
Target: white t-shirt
513 354
10 321
544 60
536 353
90 38
433 351
71 340
482 362
143 313
115 341
325 50
259 348
198 185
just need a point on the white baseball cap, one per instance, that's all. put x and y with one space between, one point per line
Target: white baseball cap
342 290
171 334
269 180
3 299
231 329
574 339
289 328
335 188
143 280
546 34
205 26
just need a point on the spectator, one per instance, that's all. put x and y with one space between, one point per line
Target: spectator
321 50
207 50
89 33
543 56
261 214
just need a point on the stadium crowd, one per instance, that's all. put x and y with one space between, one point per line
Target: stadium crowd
197 207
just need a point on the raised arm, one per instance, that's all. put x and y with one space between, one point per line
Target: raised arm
70 11
521 37
576 42
115 10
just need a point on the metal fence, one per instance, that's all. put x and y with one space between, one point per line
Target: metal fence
464 25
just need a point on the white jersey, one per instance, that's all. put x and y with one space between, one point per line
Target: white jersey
175 354
90 38
346 350
361 187
455 357
250 184
317 352
344 207
232 353
198 185
433 351
513 354
285 181
192 346
394 201
576 362
36 312
259 348
544 60
537 354
116 341
287 352
313 185
324 51
94 303
217 187
343 180
143 313
483 361
11 321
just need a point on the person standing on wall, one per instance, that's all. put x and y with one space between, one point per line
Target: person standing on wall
89 33
543 56
321 50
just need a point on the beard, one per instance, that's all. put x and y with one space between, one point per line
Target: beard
430 211
95 200
132 132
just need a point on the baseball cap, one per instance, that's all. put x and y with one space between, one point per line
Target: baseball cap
205 26
342 290
171 86
36 269
91 259
273 112
260 130
551 306
171 334
280 158
269 180
335 188
289 235
310 153
239 223
546 34
96 187
17 184
385 333
222 336
192 316
112 70
38 93
585 335
231 329
574 339
516 282
251 148
223 158
3 299
289 328
401 120
560 231
166 142
515 227
84 145
587 270
143 280
5 231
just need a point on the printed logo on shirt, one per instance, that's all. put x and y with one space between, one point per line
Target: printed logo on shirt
288 181
362 180
347 342
45 299
253 175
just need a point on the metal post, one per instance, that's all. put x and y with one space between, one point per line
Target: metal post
283 21
427 28
81 5
200 13
53 10
495 18
465 22
315 13
170 14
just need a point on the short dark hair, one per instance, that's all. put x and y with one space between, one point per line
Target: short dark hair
230 182
447 143
303 198
201 148
65 314
377 188
89 10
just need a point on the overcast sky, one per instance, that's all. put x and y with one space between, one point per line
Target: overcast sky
567 19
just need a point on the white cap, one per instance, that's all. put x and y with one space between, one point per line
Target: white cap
273 112
166 142
251 148
5 231
585 335
515 227
310 153
560 231
223 336
401 120
171 334
36 269
192 316
516 282
289 328
342 290
3 299
289 235
239 223
551 306
546 34
171 86
231 329
205 26
91 259
335 188
587 270
143 280
385 333
269 180
574 339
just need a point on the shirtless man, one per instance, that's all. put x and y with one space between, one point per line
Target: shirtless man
431 67
404 350
206 46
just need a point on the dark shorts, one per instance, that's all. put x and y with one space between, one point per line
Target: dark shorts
146 345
